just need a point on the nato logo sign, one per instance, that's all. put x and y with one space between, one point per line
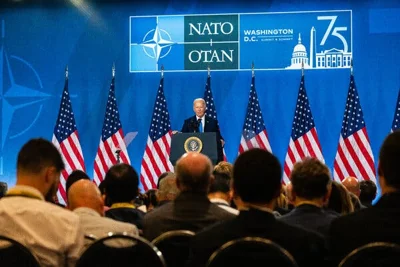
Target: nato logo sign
275 41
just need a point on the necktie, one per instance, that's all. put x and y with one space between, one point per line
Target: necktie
200 126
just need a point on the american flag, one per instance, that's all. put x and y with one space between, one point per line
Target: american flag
111 140
354 155
304 139
156 155
396 118
211 112
254 133
66 139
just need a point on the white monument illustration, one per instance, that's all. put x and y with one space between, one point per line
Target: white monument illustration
326 59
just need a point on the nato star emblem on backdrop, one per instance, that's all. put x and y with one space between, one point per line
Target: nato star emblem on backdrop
275 41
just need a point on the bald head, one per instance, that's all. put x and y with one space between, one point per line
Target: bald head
352 185
85 193
193 172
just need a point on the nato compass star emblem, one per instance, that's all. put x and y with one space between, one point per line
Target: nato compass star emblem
157 43
15 96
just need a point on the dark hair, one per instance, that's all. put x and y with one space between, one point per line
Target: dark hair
257 176
220 183
150 198
37 154
310 178
367 191
121 183
75 176
193 181
3 189
389 158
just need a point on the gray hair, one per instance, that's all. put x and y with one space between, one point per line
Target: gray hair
199 100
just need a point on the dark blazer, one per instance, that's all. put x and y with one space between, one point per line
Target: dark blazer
189 211
308 248
190 125
128 215
378 223
310 217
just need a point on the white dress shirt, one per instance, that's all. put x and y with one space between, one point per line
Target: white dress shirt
53 234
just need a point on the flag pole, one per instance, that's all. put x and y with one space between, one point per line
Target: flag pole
302 68
66 72
162 71
208 71
351 66
252 69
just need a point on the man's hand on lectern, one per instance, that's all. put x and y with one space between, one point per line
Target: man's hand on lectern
175 132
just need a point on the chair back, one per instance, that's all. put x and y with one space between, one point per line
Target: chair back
251 251
374 254
175 246
121 250
13 253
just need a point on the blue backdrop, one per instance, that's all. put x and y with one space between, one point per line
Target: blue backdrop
39 41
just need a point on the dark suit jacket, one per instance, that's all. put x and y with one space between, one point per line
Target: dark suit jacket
210 125
310 217
378 223
128 215
308 248
189 211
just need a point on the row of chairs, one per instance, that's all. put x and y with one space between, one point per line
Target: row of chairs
172 249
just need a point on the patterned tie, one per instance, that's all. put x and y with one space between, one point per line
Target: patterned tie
200 126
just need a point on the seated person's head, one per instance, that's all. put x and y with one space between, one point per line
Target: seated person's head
150 199
76 175
39 165
225 168
3 189
257 177
388 166
121 184
193 173
367 192
164 175
168 189
220 187
340 200
310 181
85 194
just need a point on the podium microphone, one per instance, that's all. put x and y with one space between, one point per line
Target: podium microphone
118 152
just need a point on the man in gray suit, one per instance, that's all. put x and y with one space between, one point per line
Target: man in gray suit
191 209
84 199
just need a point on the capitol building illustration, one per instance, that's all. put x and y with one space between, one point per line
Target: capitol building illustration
332 58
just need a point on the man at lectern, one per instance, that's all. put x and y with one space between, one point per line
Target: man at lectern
199 123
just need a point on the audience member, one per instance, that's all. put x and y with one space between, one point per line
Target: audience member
220 192
164 175
52 233
167 190
74 176
150 199
379 223
257 181
311 187
191 209
352 185
339 200
3 189
122 188
225 168
84 199
367 192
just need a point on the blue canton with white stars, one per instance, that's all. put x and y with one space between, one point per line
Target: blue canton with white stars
254 123
303 120
65 125
353 119
111 124
396 119
160 123
208 97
